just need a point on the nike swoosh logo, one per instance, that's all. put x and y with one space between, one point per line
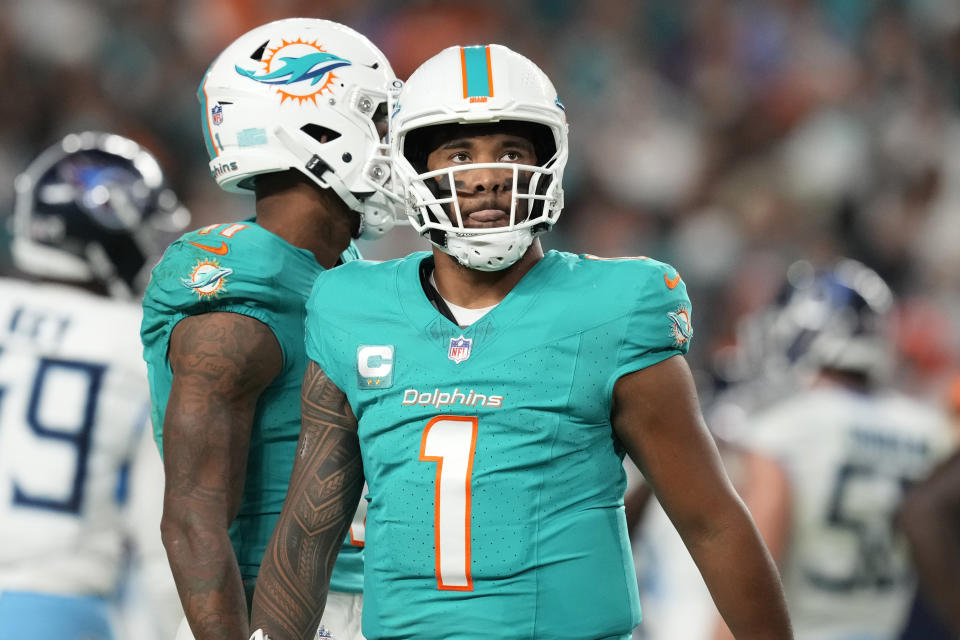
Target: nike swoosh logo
671 282
223 249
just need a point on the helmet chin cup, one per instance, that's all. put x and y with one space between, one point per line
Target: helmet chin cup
378 216
489 252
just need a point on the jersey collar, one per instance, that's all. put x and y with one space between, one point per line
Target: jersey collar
416 299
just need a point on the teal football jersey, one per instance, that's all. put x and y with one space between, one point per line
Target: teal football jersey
243 268
495 484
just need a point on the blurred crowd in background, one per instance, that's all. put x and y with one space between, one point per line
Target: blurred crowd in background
727 137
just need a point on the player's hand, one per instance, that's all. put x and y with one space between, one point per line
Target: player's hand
259 635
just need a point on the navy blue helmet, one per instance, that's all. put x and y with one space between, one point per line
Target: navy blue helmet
94 209
837 318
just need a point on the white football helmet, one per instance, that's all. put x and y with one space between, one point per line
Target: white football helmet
838 318
474 85
94 209
302 94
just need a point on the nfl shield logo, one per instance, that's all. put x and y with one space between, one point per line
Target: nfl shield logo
217 112
459 349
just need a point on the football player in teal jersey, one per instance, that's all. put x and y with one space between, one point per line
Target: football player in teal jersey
488 392
293 111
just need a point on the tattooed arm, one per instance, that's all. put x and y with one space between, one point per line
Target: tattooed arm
325 487
221 364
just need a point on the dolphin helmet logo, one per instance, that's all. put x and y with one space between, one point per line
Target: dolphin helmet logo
300 70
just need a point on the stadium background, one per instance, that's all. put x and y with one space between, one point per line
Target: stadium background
726 137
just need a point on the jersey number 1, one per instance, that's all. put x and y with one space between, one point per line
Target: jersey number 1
451 441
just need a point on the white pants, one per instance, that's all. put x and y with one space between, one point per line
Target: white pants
341 619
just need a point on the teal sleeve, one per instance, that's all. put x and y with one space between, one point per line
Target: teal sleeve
320 334
257 275
314 319
191 281
659 325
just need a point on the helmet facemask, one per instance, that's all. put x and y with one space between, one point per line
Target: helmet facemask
534 208
436 104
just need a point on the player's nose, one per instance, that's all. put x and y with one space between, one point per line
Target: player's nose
487 180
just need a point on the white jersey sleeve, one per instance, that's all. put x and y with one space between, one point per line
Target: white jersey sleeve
73 399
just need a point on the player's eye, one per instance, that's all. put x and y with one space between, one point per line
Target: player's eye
460 156
511 156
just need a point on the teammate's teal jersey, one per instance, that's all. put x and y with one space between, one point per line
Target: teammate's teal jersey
495 481
243 268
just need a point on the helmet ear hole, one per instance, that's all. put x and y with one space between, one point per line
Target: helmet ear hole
320 133
258 54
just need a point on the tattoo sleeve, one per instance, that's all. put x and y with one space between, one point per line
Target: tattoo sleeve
221 363
325 487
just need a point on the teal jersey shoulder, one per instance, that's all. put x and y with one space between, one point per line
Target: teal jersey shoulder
240 268
647 294
516 406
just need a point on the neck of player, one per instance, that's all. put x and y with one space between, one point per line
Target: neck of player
474 289
291 206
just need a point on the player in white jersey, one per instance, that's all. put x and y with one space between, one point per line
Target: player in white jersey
90 217
825 469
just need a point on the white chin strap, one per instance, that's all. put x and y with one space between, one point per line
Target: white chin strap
488 251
